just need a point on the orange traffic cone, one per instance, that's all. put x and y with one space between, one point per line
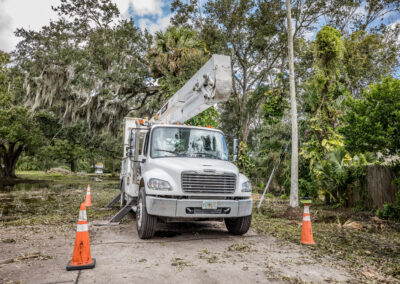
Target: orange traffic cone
88 201
306 231
81 258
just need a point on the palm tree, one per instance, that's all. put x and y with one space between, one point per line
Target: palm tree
175 50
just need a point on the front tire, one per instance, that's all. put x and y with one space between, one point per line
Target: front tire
145 223
239 225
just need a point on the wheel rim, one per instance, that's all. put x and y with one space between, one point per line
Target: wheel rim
139 213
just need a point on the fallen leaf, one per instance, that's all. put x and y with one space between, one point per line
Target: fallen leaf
349 224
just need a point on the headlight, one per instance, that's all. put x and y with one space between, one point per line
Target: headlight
246 186
158 184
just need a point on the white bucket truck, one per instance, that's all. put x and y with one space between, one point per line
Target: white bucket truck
175 172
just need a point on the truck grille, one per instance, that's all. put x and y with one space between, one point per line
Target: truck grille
208 183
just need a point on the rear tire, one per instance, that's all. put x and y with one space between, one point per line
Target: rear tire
122 200
239 225
145 223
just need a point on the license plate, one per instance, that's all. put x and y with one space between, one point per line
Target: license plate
209 205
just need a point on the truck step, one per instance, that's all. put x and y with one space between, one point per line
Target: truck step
124 210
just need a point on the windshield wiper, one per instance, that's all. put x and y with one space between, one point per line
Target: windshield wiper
168 151
206 154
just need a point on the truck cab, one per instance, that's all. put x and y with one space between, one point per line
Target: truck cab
173 172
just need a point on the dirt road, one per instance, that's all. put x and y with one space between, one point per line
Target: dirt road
180 253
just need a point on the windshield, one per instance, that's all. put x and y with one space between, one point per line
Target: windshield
188 142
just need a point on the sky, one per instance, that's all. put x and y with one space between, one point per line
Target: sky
153 15
33 14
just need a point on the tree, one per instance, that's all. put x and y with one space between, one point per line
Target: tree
324 92
372 123
175 57
368 57
248 31
87 64
18 130
294 180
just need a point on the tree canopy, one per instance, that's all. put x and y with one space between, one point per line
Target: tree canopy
372 123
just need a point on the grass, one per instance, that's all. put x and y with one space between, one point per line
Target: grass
372 252
55 199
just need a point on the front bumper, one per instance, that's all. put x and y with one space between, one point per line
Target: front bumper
191 208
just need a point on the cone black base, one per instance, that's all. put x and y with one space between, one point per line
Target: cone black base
80 267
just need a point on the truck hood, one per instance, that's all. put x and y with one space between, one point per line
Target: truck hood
200 165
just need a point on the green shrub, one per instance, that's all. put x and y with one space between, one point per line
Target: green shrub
269 195
284 196
389 211
308 188
84 166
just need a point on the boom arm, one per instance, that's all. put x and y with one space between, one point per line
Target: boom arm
210 85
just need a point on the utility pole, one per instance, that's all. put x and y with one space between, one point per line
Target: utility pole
294 177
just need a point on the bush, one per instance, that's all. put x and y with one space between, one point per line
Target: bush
308 188
284 196
84 166
389 211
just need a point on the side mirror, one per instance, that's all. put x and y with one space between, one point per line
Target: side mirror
235 149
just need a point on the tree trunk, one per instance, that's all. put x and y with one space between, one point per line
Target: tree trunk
245 131
294 178
10 158
72 165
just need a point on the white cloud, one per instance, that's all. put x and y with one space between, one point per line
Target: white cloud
123 6
147 7
160 25
140 7
26 14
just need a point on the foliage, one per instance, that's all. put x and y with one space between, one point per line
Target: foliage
91 65
248 31
335 174
209 117
244 162
175 57
284 196
325 90
389 211
272 150
308 188
87 64
373 123
368 57
18 131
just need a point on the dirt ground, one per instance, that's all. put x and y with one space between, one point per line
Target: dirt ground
38 226
189 252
